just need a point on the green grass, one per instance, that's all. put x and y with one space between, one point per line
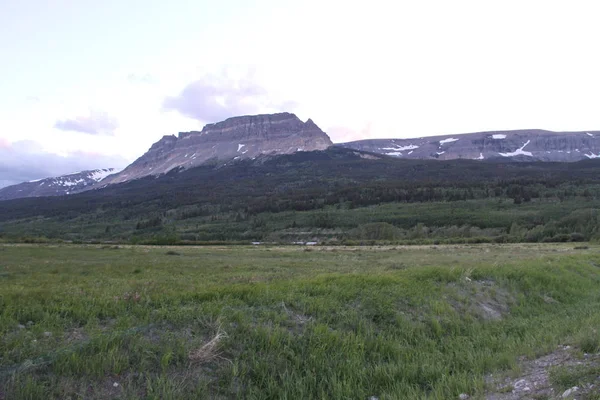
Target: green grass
284 322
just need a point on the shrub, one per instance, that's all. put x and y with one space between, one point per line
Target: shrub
376 231
577 237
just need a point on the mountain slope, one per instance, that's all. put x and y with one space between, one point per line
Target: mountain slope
299 181
518 145
233 139
56 186
333 189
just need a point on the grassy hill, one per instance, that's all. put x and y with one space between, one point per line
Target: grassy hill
392 322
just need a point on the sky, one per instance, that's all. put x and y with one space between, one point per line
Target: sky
92 84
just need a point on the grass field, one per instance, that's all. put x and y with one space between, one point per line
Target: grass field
319 322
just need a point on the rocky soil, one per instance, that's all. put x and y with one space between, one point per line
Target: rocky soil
535 380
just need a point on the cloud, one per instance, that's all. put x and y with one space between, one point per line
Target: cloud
214 98
96 123
136 78
26 160
342 134
286 105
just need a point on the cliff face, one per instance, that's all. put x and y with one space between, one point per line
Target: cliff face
57 186
232 139
519 145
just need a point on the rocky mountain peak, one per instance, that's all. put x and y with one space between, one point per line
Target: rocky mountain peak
253 120
167 141
235 138
265 126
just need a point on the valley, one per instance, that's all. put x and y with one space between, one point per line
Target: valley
314 200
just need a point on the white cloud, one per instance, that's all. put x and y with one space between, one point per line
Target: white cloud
93 123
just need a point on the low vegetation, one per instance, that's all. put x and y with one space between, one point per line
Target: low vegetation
388 322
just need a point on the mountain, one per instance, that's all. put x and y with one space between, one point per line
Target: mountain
233 139
518 145
57 186
262 136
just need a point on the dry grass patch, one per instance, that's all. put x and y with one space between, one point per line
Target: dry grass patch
208 351
483 299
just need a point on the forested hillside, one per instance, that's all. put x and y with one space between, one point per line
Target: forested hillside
335 195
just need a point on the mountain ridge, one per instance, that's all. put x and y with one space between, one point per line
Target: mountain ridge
513 145
267 135
56 186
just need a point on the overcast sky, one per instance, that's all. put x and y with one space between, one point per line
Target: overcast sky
88 84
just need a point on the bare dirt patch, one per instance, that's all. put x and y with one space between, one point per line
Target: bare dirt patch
75 335
534 381
483 299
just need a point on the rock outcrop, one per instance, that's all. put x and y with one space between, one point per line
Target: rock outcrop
232 139
518 145
57 186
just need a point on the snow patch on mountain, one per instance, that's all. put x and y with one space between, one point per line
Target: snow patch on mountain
401 148
499 136
449 140
592 155
69 183
518 152
100 174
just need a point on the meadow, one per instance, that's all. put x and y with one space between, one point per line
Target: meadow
290 322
